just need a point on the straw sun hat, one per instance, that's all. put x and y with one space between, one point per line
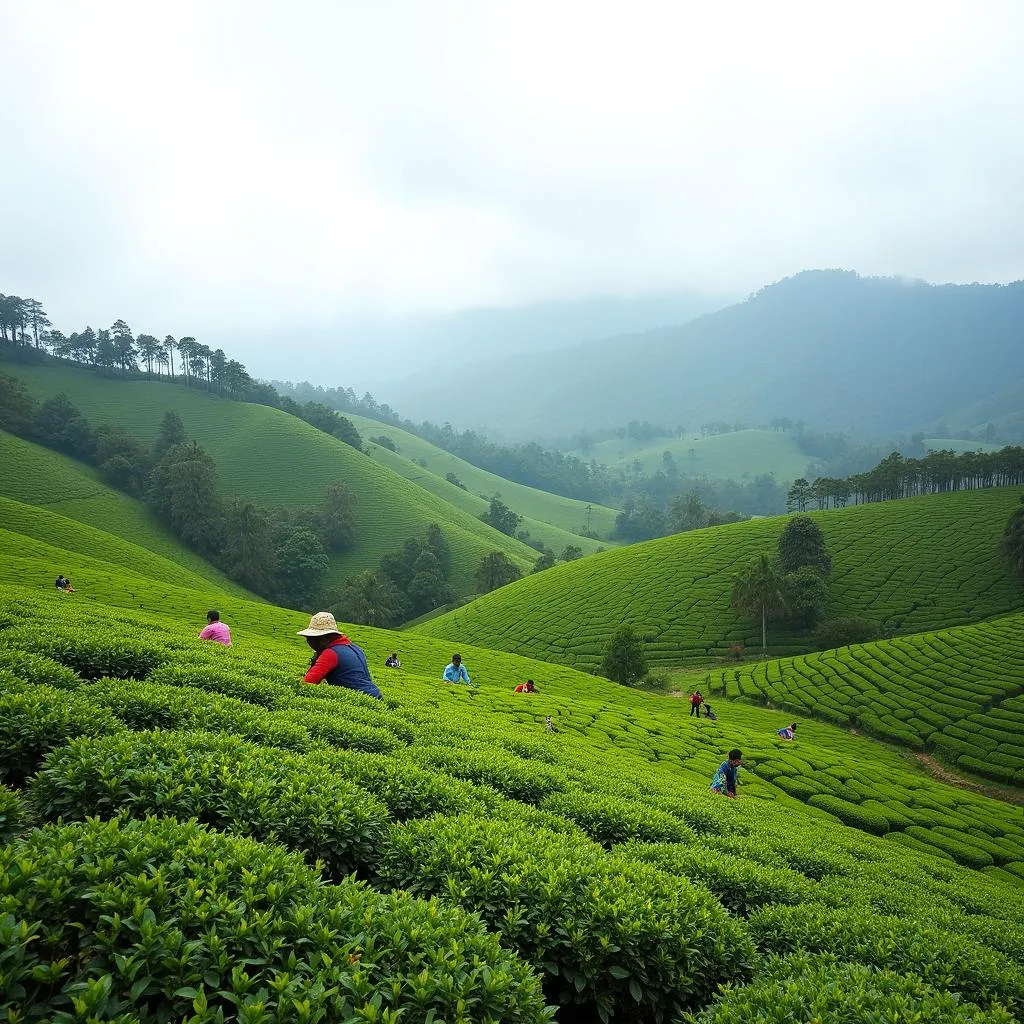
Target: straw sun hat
320 624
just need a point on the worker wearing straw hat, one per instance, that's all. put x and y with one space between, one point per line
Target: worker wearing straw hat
337 660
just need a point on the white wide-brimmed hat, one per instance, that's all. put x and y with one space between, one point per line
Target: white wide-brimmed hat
320 625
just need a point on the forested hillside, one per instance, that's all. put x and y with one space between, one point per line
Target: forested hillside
877 356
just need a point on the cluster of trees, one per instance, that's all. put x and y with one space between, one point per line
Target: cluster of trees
25 330
281 555
648 518
414 580
792 585
896 476
408 582
1013 540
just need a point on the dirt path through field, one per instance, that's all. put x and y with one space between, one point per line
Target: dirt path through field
939 771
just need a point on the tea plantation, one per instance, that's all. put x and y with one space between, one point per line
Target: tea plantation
958 691
916 564
278 460
195 835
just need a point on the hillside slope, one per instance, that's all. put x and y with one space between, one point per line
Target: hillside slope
613 742
549 517
276 459
916 564
958 691
34 475
876 356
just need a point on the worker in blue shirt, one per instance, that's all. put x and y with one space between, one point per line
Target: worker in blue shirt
456 671
724 781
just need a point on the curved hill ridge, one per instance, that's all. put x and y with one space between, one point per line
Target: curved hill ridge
552 518
68 490
276 459
915 564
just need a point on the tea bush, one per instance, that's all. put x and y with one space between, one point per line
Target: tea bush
610 821
152 706
173 922
509 775
948 962
407 790
126 653
240 685
220 781
617 937
36 720
34 668
742 886
12 814
338 731
802 988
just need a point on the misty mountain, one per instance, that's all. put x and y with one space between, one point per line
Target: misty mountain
875 356
369 352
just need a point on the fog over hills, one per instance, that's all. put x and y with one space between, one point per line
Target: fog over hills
872 355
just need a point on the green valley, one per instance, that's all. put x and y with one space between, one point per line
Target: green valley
276 459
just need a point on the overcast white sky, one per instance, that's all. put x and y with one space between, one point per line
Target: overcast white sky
236 164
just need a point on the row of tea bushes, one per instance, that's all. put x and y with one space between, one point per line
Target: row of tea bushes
156 920
957 691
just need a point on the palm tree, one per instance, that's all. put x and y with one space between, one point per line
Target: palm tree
760 590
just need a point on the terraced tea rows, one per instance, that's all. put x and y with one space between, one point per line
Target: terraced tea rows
913 565
959 692
398 793
276 459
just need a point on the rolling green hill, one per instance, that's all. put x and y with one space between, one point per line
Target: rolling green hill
916 564
595 853
34 475
740 455
548 517
958 691
276 459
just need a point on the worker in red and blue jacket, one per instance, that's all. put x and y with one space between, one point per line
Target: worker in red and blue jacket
338 661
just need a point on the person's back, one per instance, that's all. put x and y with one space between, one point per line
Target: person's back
350 668
216 630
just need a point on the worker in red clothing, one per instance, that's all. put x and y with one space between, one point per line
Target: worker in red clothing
696 699
337 661
526 687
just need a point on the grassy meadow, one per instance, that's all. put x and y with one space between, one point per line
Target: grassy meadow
740 455
913 565
206 797
278 460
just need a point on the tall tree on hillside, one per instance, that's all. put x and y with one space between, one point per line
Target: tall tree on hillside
161 358
87 346
172 433
106 350
803 544
1013 540
799 496
36 319
369 601
248 552
149 347
495 570
336 517
124 345
218 364
760 591
170 344
186 348
501 517
302 564
12 318
624 659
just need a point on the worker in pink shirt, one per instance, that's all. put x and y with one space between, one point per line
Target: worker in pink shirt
216 630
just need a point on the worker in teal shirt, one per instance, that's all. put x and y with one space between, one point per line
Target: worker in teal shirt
456 671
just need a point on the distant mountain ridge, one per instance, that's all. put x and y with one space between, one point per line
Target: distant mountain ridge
877 356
